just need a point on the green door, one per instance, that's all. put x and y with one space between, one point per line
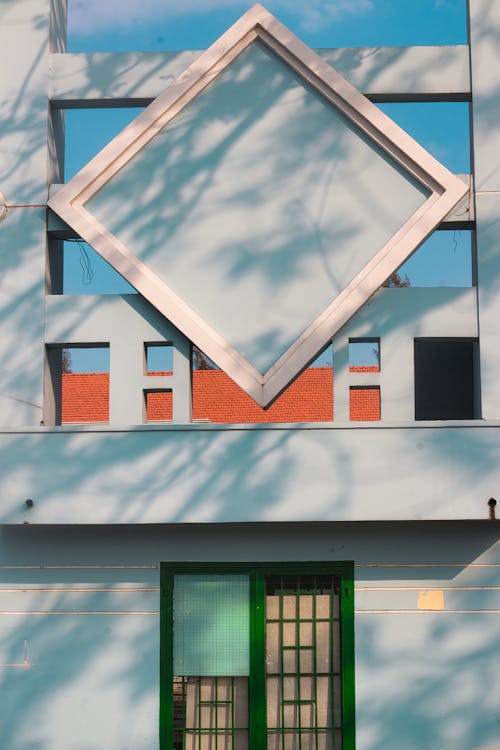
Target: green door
257 659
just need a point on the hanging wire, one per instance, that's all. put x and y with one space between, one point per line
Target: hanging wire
85 262
86 265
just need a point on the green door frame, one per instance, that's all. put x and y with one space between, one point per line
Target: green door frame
257 573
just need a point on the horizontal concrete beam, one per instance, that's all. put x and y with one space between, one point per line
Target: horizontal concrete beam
210 473
382 73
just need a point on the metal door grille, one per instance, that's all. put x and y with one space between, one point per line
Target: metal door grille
303 676
210 713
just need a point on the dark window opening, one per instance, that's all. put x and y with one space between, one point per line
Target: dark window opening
445 379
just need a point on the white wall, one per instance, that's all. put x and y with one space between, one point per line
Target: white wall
85 601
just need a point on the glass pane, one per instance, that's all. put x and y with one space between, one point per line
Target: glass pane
211 625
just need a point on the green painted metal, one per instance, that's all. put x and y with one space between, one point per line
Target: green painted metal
341 578
347 655
166 661
257 687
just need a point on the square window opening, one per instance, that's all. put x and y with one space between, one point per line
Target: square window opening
88 130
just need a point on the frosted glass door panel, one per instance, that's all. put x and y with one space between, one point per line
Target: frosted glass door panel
211 625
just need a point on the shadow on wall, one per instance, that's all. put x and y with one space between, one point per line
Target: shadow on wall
238 474
92 629
427 680
92 679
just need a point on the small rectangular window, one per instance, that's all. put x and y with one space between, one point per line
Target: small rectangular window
445 378
159 358
364 355
364 403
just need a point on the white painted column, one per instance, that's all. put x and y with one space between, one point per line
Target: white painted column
27 159
485 73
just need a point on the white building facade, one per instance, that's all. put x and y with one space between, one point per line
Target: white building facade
281 586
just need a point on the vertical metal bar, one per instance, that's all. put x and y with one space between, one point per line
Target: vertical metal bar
198 705
232 713
299 658
215 707
347 660
166 661
257 679
282 686
333 665
315 660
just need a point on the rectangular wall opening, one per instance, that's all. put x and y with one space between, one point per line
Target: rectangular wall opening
445 259
445 381
442 128
78 389
84 271
216 398
364 355
159 358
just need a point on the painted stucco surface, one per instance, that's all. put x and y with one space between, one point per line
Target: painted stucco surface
251 473
79 623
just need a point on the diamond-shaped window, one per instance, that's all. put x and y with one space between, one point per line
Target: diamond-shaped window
259 202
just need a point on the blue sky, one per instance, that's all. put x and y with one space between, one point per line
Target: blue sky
149 25
125 25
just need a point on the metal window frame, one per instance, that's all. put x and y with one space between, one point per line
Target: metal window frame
445 191
257 677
